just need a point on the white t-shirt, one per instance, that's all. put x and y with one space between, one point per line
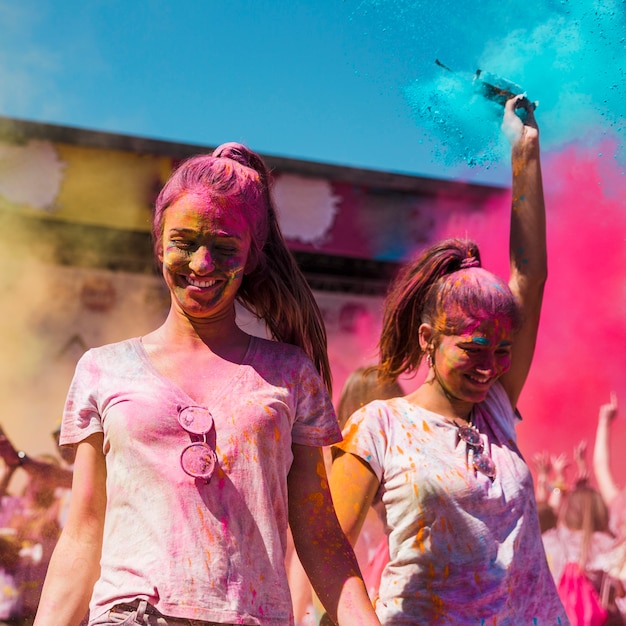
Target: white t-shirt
463 549
211 551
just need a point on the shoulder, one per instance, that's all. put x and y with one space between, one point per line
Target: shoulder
269 346
119 347
112 354
277 354
380 415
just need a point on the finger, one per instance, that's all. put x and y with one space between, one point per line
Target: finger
513 103
613 399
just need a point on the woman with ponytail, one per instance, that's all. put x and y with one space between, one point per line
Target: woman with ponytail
198 444
464 538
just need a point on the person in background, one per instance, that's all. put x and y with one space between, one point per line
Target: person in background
582 537
29 529
371 547
613 496
30 523
198 444
464 538
37 527
550 490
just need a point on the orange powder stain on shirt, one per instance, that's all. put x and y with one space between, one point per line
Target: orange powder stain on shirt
419 539
351 432
437 603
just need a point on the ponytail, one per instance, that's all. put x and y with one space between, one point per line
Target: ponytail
414 299
277 292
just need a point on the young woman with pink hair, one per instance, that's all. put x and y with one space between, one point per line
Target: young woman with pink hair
197 444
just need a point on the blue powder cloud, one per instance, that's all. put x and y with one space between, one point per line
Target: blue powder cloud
568 55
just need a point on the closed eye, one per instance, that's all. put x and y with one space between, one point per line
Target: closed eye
184 244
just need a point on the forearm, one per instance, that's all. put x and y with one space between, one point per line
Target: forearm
528 250
323 549
72 573
601 462
336 579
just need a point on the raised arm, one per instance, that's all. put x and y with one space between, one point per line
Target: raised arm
322 547
75 564
527 248
602 454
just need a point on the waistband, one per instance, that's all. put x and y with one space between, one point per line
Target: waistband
144 608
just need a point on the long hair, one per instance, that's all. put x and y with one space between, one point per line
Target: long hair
273 287
584 510
446 288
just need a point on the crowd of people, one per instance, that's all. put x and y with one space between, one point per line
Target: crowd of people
34 499
206 459
584 530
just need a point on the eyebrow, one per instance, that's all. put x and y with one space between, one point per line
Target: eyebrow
482 341
193 231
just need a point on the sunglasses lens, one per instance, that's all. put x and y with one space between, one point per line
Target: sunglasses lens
470 435
198 460
196 420
484 465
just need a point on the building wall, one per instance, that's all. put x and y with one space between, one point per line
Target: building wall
75 212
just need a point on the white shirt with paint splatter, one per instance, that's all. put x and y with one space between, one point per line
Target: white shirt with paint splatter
211 551
464 549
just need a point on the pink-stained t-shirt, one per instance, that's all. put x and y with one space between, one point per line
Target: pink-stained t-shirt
463 549
211 551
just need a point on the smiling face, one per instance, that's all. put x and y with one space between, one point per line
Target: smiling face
465 366
204 248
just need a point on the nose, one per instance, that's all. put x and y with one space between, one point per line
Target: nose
202 261
486 363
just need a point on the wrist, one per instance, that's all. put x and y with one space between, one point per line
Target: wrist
21 458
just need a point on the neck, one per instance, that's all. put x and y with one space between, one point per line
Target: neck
434 397
180 332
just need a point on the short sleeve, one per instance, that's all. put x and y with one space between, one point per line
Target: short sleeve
81 417
315 422
365 435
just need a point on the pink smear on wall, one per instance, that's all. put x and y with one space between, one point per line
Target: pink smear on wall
581 352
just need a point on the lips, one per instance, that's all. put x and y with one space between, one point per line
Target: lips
479 381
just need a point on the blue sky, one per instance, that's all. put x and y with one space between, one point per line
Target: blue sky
339 81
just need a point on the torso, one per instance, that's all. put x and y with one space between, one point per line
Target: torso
157 514
459 542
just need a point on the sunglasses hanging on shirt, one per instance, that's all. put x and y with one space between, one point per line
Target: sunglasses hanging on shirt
480 460
198 459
